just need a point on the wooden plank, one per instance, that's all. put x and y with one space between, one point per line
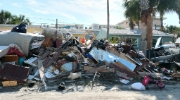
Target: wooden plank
122 68
41 73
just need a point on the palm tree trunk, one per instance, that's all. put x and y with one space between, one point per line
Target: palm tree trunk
131 24
137 22
143 25
149 30
178 12
161 19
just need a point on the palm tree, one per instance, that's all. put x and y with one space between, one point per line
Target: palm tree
133 9
5 16
165 6
19 19
14 20
178 12
132 13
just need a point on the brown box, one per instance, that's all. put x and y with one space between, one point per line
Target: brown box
11 58
48 42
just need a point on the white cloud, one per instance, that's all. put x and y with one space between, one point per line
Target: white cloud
0 4
40 11
92 11
16 5
35 3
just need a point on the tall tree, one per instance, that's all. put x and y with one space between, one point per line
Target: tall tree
165 6
146 15
178 12
5 16
131 12
19 19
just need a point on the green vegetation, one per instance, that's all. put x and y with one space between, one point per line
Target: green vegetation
173 30
134 14
118 27
7 18
114 39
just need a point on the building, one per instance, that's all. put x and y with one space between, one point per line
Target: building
71 26
100 26
135 35
156 23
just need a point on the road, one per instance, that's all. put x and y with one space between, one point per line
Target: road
170 92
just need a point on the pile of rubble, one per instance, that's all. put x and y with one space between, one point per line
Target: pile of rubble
64 58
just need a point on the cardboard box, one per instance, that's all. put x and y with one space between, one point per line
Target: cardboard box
11 58
9 83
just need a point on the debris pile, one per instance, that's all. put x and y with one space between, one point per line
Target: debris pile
60 57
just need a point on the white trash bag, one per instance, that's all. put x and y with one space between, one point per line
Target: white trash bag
138 86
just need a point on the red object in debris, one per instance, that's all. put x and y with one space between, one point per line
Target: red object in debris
150 80
60 63
146 80
13 50
58 42
82 40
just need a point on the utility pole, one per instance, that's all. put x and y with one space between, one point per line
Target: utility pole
107 19
56 23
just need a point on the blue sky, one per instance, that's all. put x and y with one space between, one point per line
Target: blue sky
84 12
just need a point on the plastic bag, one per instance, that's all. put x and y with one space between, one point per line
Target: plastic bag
138 86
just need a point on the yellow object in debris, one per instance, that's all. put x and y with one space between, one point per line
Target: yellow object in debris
65 53
9 83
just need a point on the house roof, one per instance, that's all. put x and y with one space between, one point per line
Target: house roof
134 32
76 31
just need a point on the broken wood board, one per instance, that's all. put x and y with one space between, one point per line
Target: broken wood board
134 60
155 75
122 68
44 55
123 75
176 75
99 69
41 73
144 65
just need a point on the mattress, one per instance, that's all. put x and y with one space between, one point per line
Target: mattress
3 50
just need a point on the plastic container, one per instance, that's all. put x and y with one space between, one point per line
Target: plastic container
21 61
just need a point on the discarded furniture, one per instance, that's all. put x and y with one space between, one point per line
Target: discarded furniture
3 50
14 72
23 40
